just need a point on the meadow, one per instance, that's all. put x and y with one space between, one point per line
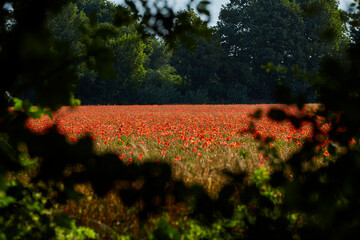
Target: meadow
198 141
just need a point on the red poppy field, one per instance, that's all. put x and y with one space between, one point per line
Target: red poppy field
187 136
197 140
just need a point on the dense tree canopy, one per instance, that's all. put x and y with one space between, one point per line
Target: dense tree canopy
254 33
199 66
223 69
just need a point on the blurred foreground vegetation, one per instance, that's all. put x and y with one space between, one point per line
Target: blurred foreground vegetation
314 202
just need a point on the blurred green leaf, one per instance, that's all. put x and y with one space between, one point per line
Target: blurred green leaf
17 104
165 231
5 200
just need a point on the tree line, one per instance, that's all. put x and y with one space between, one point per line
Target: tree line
224 67
318 202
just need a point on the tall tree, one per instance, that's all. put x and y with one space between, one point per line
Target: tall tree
254 33
129 64
127 50
129 58
160 70
65 25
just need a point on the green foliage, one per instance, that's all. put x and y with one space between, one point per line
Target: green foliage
34 112
164 231
159 53
147 70
238 94
65 25
23 214
326 197
26 213
45 54
66 229
243 153
199 96
254 33
153 94
190 27
261 180
143 71
321 203
104 10
233 228
164 76
199 65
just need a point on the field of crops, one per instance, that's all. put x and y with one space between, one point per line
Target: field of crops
197 140
193 137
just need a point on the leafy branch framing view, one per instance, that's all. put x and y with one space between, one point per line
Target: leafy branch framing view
297 200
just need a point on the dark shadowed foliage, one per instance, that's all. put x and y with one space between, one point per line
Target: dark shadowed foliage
321 203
